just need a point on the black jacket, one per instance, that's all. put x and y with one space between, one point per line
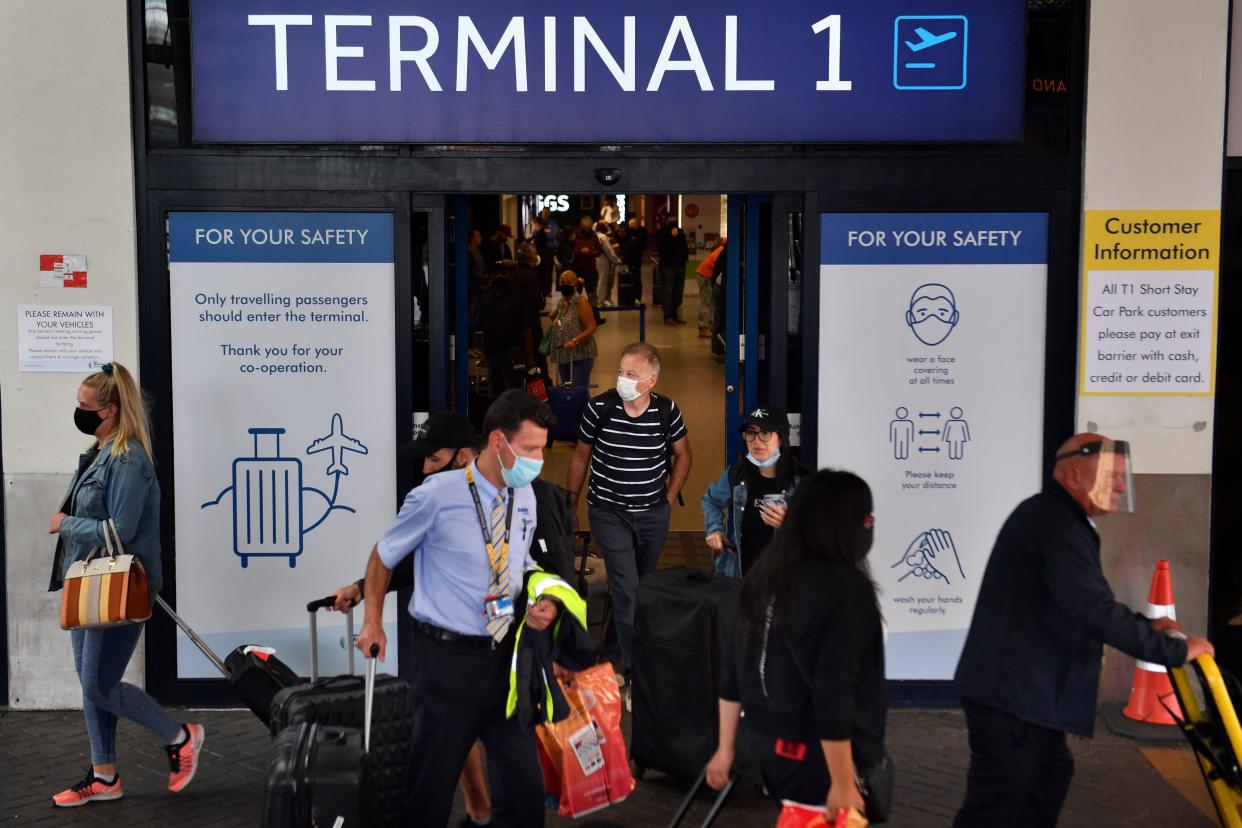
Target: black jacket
1043 615
822 674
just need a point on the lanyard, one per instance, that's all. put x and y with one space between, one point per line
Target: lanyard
493 558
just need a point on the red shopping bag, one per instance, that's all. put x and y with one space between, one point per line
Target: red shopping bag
586 751
537 388
797 815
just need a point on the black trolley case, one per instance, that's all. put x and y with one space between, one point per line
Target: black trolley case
680 624
339 702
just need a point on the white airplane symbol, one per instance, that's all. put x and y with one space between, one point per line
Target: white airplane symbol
337 442
926 39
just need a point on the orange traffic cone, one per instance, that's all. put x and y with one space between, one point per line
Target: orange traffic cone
1151 681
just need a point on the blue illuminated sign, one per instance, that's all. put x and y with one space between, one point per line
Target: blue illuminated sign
410 71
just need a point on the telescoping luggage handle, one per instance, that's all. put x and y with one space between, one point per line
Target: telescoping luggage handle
313 608
369 698
717 805
193 636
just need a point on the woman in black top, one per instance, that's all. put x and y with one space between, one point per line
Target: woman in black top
746 504
807 663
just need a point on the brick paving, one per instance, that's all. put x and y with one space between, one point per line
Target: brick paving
41 752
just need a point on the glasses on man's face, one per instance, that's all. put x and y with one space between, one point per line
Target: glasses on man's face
761 436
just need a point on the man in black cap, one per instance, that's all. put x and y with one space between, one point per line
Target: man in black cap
445 441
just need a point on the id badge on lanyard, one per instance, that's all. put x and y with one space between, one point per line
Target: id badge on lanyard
494 606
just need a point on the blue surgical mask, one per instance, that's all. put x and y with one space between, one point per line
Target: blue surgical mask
523 472
765 464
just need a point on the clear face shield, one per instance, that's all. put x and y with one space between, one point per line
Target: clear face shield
1112 487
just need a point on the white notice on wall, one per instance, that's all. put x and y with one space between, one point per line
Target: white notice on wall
63 338
1149 331
932 390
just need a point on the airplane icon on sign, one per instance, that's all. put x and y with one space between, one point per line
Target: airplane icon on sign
927 39
337 442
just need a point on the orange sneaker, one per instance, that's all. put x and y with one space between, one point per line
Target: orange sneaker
183 758
88 790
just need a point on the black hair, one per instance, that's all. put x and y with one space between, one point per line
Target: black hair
511 409
826 521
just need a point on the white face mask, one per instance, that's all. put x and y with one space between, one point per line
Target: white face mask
628 388
764 464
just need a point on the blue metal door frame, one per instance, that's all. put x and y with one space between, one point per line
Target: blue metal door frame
742 391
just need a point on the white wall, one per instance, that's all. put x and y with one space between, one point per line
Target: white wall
66 186
1154 138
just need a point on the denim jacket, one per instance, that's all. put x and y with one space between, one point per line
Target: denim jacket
714 504
123 487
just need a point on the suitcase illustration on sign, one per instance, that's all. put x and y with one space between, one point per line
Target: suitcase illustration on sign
267 502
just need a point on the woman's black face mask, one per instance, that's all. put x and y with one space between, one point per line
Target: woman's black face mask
87 421
568 291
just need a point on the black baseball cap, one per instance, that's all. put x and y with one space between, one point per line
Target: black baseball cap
767 418
443 429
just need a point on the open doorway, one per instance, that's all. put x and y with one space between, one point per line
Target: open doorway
635 291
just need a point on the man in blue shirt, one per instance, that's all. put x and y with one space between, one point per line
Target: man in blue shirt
472 530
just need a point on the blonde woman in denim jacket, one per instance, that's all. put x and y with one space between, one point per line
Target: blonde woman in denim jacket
756 488
115 479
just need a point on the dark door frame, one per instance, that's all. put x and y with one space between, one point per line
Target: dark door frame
155 354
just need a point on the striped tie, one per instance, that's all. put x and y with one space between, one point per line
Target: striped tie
499 583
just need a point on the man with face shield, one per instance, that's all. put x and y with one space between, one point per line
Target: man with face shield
1030 670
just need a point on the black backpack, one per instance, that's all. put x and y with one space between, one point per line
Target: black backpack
613 399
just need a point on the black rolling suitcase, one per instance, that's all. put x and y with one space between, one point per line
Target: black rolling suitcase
256 676
629 288
324 775
681 621
339 702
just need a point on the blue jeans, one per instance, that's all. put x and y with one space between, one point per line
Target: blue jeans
582 372
100 657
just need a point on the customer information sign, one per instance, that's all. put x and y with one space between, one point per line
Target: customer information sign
481 71
1149 302
944 418
284 424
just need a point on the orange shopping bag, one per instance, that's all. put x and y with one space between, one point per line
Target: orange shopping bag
797 815
586 751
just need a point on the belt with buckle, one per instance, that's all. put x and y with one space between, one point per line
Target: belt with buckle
450 637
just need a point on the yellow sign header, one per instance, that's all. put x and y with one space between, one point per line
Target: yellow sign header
1151 239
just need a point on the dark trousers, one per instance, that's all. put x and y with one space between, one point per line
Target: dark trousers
459 696
1019 772
500 374
674 277
631 543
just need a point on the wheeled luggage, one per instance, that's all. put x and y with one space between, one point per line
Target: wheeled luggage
340 702
256 674
324 775
629 288
567 402
1208 697
318 775
680 624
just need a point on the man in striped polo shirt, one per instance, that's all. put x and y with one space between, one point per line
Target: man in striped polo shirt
636 446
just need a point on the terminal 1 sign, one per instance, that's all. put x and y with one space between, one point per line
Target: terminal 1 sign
411 71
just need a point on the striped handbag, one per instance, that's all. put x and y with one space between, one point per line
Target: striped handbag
106 589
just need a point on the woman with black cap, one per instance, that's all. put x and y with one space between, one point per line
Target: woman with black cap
756 488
